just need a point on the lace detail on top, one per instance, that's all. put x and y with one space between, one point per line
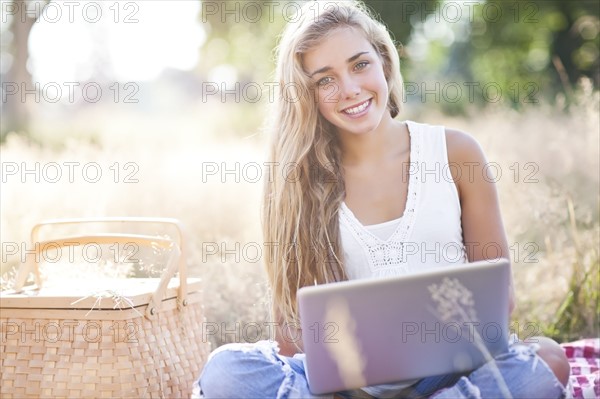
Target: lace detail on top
384 230
387 257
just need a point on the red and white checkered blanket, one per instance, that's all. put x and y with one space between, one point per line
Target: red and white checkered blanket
584 357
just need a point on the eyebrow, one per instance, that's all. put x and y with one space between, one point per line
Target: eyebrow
327 68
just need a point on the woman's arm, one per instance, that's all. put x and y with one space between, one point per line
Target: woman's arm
483 230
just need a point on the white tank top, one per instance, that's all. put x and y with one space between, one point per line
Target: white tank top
429 233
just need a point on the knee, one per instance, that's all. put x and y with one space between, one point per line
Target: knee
554 356
217 371
235 370
222 358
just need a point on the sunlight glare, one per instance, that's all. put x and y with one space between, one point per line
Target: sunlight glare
127 43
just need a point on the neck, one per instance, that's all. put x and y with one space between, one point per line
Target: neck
376 145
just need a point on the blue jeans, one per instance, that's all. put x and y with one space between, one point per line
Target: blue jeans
258 371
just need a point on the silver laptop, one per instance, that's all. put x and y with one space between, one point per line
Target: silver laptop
374 331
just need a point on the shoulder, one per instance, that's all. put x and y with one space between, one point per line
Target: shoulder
462 147
467 161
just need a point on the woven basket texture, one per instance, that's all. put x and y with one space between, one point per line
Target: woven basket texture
129 358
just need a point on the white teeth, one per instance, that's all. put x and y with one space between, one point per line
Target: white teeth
358 109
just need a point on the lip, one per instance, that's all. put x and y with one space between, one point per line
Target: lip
367 101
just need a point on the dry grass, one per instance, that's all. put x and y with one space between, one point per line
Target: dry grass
562 150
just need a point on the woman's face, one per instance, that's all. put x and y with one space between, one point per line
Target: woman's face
349 83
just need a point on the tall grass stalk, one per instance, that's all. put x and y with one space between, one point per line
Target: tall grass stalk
455 304
579 310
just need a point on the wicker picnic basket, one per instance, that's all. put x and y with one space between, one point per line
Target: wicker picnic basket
132 338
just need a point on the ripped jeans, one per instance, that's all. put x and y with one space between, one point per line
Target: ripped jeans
258 371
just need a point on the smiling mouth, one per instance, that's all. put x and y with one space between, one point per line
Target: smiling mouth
357 109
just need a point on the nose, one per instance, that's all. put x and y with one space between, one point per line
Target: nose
349 87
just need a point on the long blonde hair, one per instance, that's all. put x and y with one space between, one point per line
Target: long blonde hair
303 194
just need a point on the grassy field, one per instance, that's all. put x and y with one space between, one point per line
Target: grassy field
186 168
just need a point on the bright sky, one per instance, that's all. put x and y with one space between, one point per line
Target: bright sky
131 41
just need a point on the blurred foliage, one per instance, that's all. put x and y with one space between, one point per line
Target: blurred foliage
454 54
400 16
517 53
530 50
243 34
549 45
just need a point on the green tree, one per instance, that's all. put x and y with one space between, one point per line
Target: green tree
529 50
548 45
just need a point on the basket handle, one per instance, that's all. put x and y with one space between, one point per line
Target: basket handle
176 261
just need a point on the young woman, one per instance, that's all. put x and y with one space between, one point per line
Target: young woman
354 198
